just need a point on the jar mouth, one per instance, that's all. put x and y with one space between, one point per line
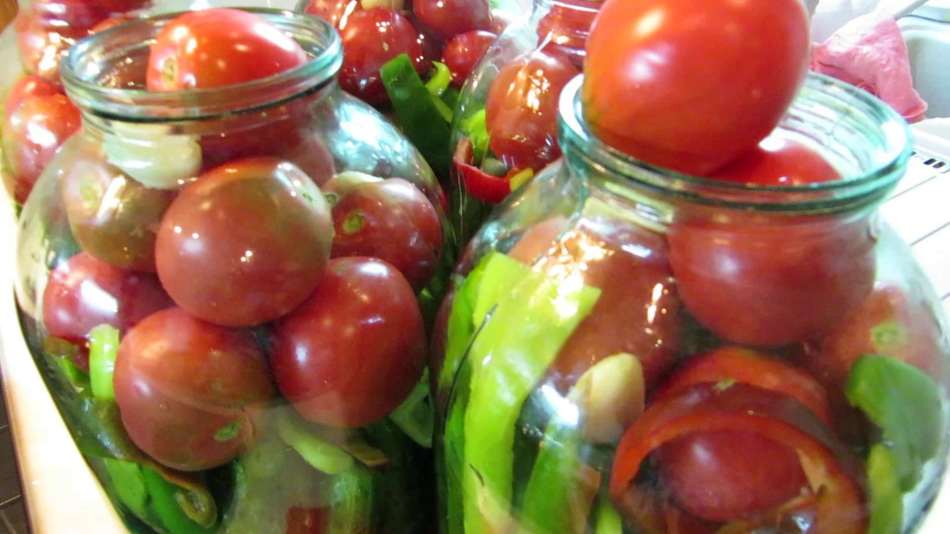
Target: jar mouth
863 138
92 61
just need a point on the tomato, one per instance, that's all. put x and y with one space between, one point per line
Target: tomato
274 131
890 322
112 216
713 477
448 18
371 38
336 12
778 160
736 364
84 292
771 282
31 136
42 45
82 13
653 88
463 52
184 389
351 353
307 520
566 27
28 86
312 156
215 47
522 108
638 311
387 219
245 243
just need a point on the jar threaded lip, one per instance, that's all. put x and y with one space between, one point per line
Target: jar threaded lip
875 136
88 62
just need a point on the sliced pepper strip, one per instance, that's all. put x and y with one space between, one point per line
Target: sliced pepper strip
709 408
477 182
749 367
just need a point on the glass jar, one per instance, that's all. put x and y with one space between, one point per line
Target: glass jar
201 281
627 349
505 124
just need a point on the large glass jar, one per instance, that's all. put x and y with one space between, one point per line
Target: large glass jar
627 349
224 289
505 124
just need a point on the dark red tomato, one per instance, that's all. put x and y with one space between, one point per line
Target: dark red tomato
245 243
372 37
463 52
653 89
769 282
312 156
31 136
728 475
84 292
778 160
890 322
215 47
566 27
185 389
82 13
307 520
638 311
42 45
352 352
448 18
28 86
521 111
270 132
336 12
387 219
113 217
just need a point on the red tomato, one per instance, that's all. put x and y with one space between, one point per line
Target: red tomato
42 45
351 353
184 389
767 282
463 52
82 13
387 219
521 111
448 18
890 322
274 131
638 311
336 12
84 292
245 243
215 47
371 38
307 520
691 84
28 86
312 156
111 216
566 27
778 160
31 136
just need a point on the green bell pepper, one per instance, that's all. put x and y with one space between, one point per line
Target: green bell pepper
415 415
885 495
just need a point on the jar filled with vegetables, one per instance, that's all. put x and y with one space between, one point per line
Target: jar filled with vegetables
505 126
224 278
737 345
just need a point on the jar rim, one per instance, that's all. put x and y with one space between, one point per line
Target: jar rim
884 131
82 68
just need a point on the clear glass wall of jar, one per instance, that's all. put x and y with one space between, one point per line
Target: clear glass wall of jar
627 349
220 369
505 126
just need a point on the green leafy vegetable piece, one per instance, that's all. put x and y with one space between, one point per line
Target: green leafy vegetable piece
510 354
103 348
415 415
886 497
319 453
418 112
905 403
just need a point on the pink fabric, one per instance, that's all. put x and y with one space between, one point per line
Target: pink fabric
871 54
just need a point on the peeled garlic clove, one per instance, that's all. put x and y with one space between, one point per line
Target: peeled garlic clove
160 161
609 396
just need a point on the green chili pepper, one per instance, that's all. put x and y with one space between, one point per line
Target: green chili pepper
886 497
476 129
414 416
129 485
511 353
607 519
103 348
173 510
439 80
319 453
905 403
421 116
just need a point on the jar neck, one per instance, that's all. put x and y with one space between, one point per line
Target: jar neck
863 138
105 76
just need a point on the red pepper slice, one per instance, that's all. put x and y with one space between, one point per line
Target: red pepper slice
832 473
478 183
754 368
